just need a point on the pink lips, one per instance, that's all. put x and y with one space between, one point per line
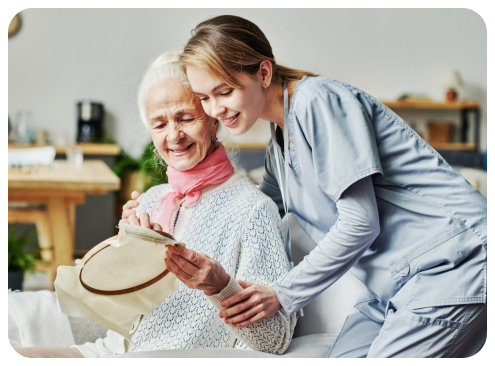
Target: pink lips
180 153
230 124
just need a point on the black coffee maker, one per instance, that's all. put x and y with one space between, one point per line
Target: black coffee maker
89 121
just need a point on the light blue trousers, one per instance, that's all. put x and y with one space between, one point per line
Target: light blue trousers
444 331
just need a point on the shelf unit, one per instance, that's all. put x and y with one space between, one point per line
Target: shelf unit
464 107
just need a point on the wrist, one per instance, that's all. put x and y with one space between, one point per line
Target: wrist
275 298
222 284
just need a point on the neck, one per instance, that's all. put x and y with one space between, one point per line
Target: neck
274 104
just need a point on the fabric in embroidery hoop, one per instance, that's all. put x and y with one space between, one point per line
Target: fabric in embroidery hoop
143 268
118 280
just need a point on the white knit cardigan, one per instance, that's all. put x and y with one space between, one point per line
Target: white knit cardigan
238 226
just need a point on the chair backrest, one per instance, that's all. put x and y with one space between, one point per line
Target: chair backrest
327 312
32 156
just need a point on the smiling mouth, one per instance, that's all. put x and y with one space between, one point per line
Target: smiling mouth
181 150
228 120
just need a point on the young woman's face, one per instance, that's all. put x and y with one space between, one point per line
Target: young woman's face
180 129
237 108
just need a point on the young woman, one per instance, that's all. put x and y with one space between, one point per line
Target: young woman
377 199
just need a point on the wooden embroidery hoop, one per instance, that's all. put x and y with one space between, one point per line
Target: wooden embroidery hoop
129 289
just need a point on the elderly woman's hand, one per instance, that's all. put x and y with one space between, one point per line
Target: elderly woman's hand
144 221
127 209
197 270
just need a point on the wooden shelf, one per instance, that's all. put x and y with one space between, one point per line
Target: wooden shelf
418 103
453 146
87 148
424 104
247 145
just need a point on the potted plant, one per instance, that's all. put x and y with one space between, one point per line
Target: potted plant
139 174
20 260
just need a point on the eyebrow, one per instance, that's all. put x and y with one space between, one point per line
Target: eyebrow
179 113
219 86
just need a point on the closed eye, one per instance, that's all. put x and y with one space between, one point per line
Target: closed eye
204 99
228 92
159 126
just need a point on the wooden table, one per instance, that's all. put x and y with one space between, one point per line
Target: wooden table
61 187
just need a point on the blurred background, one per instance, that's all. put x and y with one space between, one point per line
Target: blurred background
73 76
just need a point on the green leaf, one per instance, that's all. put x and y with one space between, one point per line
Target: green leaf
19 258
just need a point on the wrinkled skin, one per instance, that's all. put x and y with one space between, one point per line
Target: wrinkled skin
182 134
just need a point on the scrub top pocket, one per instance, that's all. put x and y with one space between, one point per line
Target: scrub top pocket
419 260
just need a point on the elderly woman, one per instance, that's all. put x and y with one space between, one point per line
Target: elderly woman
232 230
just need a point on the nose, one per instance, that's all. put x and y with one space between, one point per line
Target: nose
217 108
174 132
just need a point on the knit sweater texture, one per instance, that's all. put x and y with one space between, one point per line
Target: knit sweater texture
238 226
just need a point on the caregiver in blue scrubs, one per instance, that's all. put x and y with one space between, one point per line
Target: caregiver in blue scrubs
377 199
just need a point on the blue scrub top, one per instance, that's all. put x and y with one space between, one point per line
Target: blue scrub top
431 250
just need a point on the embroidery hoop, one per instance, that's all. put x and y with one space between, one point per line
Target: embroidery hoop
103 257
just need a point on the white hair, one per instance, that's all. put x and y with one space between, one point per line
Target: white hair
165 66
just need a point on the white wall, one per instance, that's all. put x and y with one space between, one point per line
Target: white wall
63 55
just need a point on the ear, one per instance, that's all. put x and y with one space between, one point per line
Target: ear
266 72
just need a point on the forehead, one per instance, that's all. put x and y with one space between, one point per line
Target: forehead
170 94
201 81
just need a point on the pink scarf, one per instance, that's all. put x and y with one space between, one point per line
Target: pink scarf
215 169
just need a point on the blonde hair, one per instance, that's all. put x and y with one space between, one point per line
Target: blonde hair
165 66
227 44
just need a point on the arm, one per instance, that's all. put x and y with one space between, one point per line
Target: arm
271 335
262 259
340 134
355 230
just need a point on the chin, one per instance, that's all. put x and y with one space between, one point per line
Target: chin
183 167
237 130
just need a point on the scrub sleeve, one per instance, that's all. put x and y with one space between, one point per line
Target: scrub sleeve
344 151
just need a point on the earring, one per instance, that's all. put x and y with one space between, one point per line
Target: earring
214 139
265 88
156 152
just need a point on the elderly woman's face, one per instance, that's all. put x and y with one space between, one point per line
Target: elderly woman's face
180 129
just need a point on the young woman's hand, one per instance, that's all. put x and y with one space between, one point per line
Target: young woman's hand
251 305
196 270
